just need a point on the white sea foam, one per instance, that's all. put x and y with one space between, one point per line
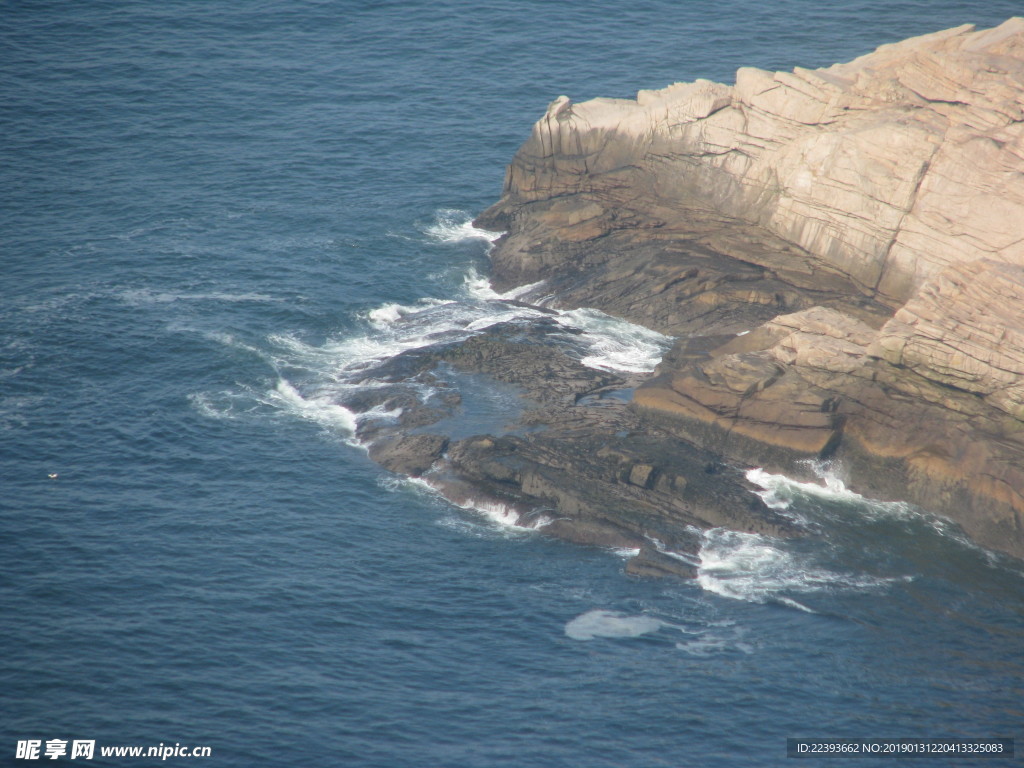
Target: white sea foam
137 297
496 512
617 344
316 380
317 408
758 569
401 327
593 624
453 226
479 288
626 553
779 491
342 359
387 314
502 515
418 485
613 344
379 412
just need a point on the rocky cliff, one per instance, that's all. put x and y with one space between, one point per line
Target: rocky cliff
840 253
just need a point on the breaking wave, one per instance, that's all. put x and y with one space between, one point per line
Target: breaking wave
319 408
616 344
496 516
779 491
454 226
760 569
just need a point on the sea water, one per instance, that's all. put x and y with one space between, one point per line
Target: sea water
216 220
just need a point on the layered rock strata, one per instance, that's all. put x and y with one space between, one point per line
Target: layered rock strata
577 462
862 227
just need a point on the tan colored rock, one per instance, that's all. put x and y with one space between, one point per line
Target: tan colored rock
965 329
774 386
888 168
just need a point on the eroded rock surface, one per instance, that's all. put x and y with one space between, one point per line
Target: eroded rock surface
862 226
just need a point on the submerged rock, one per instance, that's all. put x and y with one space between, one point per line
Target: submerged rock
656 564
861 225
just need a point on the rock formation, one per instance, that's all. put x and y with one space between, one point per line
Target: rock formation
577 462
840 253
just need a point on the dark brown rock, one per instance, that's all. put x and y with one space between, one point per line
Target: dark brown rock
409 455
655 564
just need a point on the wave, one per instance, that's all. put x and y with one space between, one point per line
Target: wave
616 344
759 569
317 408
478 287
779 491
387 314
498 515
455 226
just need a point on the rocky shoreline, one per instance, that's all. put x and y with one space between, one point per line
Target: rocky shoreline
838 253
578 461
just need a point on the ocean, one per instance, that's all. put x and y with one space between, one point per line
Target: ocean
214 219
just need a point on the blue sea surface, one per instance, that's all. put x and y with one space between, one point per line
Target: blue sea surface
211 214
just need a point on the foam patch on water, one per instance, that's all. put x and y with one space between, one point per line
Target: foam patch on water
593 624
702 638
615 344
712 644
454 226
206 406
758 569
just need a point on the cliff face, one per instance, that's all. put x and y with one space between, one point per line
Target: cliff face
862 226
